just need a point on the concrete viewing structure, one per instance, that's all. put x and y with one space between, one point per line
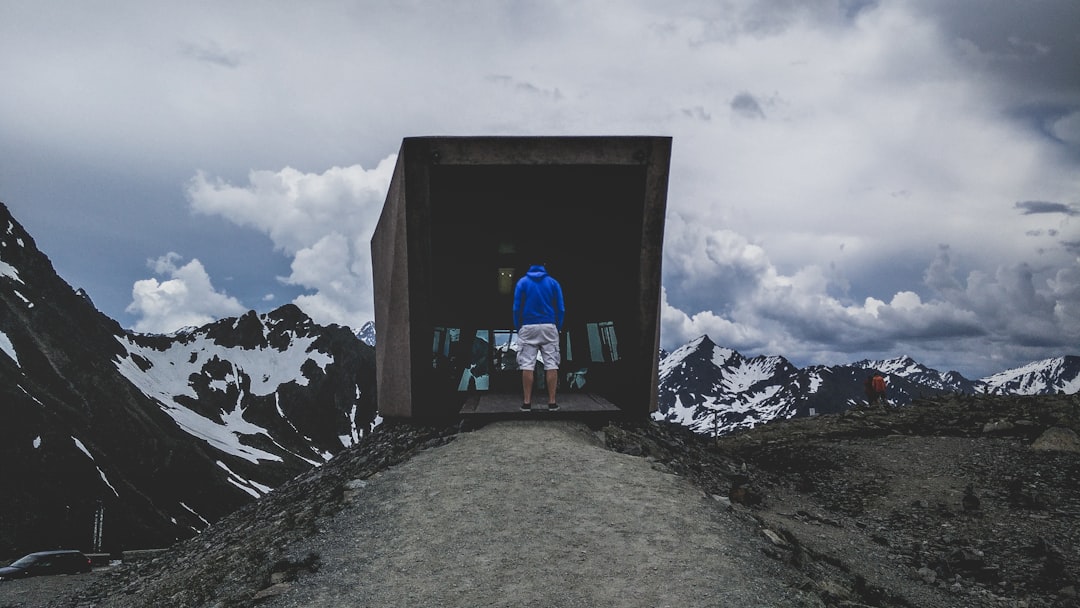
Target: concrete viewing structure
463 220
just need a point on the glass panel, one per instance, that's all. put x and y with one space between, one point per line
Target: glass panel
596 352
505 350
475 376
444 340
607 336
436 343
603 345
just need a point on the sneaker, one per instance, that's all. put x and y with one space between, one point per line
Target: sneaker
525 407
553 407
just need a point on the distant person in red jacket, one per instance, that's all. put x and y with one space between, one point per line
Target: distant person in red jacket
878 382
868 388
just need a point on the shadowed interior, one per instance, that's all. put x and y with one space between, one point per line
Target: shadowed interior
489 223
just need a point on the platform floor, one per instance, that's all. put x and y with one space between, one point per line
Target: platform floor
505 403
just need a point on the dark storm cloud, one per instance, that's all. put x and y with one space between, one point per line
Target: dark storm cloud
746 105
1029 51
1031 45
1018 304
1038 207
934 323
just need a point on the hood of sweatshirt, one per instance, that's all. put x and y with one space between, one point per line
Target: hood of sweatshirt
536 272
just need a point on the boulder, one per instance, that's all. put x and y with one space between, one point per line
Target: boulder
1058 439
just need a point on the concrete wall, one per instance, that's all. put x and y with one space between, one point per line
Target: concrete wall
592 206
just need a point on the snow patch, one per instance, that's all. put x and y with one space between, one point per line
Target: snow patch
7 270
27 393
192 511
82 448
743 377
106 480
25 300
256 490
8 348
224 436
101 473
720 355
174 366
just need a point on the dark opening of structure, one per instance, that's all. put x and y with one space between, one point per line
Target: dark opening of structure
464 220
488 225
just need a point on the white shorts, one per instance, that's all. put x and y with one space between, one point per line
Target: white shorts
543 338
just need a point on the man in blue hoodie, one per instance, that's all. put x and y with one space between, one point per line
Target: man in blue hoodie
538 319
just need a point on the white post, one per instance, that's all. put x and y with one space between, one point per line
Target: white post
99 520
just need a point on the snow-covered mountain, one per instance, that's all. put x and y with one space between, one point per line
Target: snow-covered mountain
715 390
1057 375
262 388
919 374
160 434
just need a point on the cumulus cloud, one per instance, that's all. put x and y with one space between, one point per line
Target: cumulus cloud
1017 311
185 298
323 221
863 135
1015 304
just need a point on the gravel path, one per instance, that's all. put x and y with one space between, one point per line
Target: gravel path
536 513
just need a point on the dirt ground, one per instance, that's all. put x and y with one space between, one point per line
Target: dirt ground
41 590
538 514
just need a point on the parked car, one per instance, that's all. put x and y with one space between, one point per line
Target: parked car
46 562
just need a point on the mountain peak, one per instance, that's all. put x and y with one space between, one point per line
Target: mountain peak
289 313
367 333
701 341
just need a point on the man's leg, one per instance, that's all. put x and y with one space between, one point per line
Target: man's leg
527 385
551 377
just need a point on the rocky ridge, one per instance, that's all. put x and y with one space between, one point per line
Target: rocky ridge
958 501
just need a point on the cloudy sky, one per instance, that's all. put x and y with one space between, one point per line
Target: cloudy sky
850 178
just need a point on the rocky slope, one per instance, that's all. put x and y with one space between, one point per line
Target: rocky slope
959 501
159 435
955 501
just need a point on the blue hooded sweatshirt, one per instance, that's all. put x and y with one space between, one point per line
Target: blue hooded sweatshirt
538 299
